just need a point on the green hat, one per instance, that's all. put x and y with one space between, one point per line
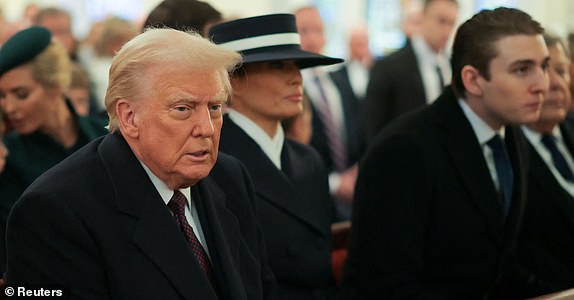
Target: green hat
23 46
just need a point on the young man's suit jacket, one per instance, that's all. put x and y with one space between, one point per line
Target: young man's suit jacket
96 224
428 222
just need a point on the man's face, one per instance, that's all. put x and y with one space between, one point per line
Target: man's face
518 81
557 99
310 28
178 123
359 45
437 23
61 28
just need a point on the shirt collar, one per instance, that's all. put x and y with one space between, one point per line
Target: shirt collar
535 136
482 131
271 146
164 191
424 51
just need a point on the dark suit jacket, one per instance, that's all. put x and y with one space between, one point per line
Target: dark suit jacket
395 87
428 221
294 211
354 130
546 245
96 224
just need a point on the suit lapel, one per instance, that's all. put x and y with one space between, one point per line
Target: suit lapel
517 150
221 230
463 148
411 63
271 184
156 232
555 194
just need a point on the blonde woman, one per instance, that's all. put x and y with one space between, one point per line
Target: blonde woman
35 72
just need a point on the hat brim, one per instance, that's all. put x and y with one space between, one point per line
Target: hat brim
304 59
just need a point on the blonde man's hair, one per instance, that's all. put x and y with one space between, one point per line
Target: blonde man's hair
52 68
159 47
114 30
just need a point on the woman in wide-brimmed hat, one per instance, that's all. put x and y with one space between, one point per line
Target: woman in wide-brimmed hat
294 207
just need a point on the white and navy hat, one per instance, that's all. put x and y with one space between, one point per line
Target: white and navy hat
267 38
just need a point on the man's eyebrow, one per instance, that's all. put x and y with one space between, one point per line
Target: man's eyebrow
529 61
523 62
220 98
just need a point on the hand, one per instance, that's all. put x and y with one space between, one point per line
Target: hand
346 189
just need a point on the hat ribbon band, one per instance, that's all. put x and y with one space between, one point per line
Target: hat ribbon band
277 39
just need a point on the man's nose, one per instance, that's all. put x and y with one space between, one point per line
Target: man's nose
203 124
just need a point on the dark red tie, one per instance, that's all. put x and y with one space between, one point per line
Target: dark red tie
177 206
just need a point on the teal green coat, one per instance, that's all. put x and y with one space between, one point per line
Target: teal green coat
30 156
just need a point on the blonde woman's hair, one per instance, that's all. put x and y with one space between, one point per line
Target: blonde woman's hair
160 47
52 68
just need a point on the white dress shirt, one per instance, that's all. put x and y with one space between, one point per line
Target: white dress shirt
483 133
358 77
335 107
535 140
331 93
271 146
190 210
427 61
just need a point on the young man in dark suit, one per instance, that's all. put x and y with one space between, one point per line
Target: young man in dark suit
150 211
440 194
409 78
546 242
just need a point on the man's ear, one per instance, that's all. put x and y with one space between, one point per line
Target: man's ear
471 79
126 114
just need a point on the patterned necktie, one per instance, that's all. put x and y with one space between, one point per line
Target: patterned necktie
177 206
332 131
557 157
503 170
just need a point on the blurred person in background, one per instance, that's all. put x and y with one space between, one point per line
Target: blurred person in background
3 149
354 74
414 75
411 16
571 71
546 241
59 22
35 73
79 90
115 32
337 133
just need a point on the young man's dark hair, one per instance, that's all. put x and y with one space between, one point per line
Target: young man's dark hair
475 39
